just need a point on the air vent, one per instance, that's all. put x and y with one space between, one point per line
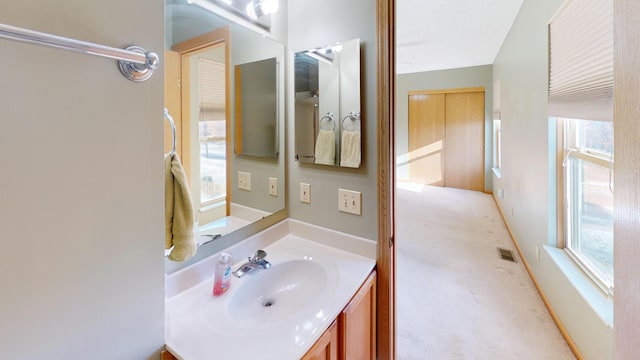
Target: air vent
506 255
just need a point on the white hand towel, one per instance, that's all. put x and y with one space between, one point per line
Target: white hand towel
179 216
350 153
326 147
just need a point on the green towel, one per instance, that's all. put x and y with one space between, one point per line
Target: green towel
179 213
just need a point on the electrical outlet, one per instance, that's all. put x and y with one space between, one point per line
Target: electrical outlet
305 193
350 201
273 186
244 180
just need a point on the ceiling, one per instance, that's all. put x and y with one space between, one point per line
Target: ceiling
448 34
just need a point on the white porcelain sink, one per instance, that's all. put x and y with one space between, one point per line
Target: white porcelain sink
277 313
278 293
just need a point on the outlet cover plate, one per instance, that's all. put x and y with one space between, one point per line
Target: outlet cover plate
273 186
305 193
350 201
244 180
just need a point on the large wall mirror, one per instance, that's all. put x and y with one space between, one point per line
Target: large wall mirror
234 160
327 105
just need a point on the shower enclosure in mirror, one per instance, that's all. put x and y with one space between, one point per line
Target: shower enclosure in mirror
327 105
203 51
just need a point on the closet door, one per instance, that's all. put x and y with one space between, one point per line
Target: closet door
464 146
426 138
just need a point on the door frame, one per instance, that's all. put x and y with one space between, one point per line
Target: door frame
185 49
385 110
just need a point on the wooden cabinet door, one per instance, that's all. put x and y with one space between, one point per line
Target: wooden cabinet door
326 348
426 139
464 145
446 138
358 324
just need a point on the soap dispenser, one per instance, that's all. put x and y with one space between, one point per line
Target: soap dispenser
222 277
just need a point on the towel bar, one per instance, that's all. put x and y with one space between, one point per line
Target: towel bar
135 63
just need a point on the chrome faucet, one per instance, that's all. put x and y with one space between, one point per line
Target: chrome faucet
254 263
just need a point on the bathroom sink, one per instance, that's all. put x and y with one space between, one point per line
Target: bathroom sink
278 293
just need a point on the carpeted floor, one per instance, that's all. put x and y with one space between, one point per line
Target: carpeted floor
455 297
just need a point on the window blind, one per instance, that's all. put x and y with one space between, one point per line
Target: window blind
581 60
212 89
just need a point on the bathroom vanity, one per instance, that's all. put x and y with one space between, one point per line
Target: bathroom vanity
353 334
316 301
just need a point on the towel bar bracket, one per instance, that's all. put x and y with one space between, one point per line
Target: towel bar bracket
139 72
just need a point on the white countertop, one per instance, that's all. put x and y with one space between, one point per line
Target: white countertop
198 325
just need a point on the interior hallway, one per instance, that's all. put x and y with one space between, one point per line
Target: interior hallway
455 297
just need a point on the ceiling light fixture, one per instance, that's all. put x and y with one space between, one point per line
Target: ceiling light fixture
258 8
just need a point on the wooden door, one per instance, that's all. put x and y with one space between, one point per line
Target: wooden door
464 144
426 138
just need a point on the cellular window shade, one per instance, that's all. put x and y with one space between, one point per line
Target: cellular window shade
212 89
581 60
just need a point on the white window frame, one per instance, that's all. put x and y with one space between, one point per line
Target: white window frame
497 141
573 152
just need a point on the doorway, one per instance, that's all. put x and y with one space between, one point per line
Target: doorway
446 138
197 92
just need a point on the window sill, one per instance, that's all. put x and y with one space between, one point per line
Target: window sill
590 292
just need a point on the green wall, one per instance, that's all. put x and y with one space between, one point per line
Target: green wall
313 24
528 181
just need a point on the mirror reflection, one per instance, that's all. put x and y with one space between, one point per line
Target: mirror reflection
327 109
230 190
256 120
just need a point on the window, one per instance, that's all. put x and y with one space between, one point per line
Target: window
588 197
497 141
208 92
212 136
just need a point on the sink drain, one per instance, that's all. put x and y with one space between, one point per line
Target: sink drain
268 302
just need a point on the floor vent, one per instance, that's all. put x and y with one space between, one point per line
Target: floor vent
506 255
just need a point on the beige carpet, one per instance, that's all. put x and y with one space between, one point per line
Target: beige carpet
456 299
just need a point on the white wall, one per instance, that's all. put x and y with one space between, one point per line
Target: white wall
475 76
81 187
313 24
528 180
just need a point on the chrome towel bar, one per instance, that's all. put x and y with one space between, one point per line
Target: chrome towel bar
135 63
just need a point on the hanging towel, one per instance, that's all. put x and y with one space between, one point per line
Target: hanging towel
326 147
350 154
179 217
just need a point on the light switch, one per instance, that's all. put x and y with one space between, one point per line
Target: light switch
350 201
273 186
244 180
305 193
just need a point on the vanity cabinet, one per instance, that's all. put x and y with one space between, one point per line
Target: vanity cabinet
326 348
355 336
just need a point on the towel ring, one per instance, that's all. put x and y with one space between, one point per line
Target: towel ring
354 125
329 117
173 130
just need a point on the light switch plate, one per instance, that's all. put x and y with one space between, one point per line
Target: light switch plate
350 201
305 193
273 186
244 180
